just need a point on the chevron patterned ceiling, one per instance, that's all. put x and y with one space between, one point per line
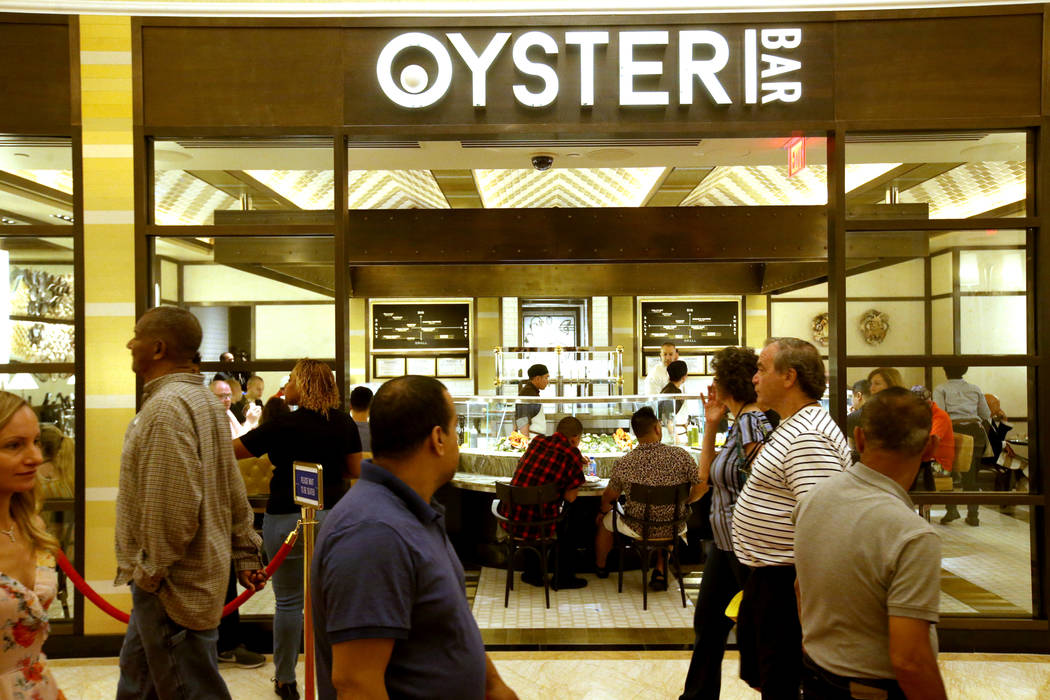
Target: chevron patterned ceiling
568 187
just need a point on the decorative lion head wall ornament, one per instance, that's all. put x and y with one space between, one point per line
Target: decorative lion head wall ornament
819 326
874 325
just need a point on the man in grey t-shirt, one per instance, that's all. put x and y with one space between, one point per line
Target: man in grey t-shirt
869 567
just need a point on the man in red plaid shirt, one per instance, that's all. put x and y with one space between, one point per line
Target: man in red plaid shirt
555 458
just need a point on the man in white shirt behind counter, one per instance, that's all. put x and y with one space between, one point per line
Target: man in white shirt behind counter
870 592
657 378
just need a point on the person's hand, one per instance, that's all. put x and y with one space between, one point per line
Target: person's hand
252 580
714 410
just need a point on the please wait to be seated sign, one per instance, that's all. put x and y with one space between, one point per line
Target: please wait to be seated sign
308 484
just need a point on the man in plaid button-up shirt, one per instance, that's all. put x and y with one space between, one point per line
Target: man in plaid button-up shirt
548 459
182 517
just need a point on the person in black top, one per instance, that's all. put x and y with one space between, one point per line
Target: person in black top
677 373
317 432
528 417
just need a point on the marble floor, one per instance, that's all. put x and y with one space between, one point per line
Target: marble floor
612 675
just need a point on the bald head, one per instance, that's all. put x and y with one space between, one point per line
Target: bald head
177 328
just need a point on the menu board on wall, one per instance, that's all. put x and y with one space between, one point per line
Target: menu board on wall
443 326
690 323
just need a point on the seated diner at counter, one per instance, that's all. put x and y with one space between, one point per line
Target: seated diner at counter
654 464
550 459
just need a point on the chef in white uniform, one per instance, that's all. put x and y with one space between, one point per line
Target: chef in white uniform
529 418
657 378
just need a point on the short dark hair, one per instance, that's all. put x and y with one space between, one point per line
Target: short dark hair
220 377
178 328
676 370
804 358
734 369
361 398
404 412
570 426
955 372
537 371
862 387
896 420
643 420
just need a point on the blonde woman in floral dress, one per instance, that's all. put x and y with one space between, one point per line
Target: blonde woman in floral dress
27 567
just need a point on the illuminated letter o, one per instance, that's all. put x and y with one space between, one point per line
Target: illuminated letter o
395 92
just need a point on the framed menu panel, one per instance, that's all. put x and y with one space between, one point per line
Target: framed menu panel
690 323
416 326
452 367
420 365
386 367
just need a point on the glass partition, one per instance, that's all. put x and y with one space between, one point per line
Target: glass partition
933 175
199 181
36 181
260 298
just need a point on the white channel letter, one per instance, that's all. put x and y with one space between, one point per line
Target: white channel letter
778 65
441 83
781 38
629 68
785 92
540 70
750 66
706 70
587 41
479 65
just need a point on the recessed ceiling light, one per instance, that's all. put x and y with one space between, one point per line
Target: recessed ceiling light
573 155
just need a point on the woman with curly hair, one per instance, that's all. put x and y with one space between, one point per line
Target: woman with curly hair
317 432
28 581
731 391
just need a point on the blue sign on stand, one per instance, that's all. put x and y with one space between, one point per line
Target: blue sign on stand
308 484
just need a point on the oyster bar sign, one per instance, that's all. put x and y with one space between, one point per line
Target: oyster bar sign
415 70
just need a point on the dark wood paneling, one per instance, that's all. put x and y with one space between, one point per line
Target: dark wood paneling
34 76
241 76
555 280
367 104
938 68
649 234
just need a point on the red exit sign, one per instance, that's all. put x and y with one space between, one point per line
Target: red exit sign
796 155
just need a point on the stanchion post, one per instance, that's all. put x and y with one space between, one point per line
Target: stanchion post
309 524
308 492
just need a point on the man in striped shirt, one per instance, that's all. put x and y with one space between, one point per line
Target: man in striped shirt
806 447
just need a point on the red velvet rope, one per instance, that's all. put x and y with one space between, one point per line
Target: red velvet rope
92 595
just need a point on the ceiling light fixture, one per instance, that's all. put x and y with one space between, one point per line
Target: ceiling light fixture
64 217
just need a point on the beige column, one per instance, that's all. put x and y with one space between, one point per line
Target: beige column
109 290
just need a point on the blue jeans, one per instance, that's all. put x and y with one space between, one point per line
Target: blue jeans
162 660
287 584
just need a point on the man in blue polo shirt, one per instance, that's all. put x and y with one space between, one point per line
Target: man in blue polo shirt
390 611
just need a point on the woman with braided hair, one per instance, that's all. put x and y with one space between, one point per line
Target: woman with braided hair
318 431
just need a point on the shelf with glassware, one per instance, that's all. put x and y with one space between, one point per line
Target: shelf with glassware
574 371
491 442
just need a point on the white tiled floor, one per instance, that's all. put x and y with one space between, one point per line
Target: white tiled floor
596 606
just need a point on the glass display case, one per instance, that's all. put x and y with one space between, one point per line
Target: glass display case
575 371
491 443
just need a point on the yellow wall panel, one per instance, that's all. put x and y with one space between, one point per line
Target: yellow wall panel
90 71
105 430
105 43
358 329
755 330
96 98
621 332
106 109
486 337
98 622
108 84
